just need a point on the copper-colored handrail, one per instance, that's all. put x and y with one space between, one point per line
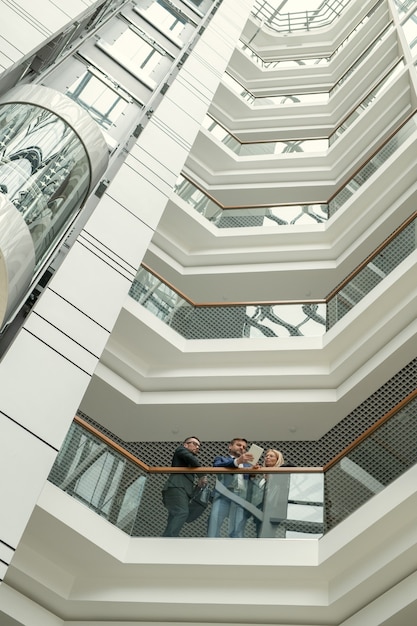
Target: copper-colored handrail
264 470
324 300
346 117
275 204
369 431
226 304
151 469
371 256
112 444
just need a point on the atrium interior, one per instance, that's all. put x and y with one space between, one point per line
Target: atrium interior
208 227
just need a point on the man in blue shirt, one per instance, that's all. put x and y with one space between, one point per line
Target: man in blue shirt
230 488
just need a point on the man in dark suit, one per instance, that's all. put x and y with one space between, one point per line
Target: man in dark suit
230 488
179 488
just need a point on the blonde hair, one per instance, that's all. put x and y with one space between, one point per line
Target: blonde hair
278 454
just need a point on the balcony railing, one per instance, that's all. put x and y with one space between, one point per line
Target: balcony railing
248 217
287 502
273 319
314 97
271 65
225 321
287 215
291 146
322 16
264 148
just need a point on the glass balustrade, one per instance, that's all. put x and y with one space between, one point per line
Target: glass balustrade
284 215
382 456
372 166
285 63
226 321
378 268
366 102
286 99
100 477
309 319
298 145
265 147
365 55
323 14
306 98
265 217
285 503
126 495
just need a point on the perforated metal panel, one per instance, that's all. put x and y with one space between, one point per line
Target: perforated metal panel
132 499
299 453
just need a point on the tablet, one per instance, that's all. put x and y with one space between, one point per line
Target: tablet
256 451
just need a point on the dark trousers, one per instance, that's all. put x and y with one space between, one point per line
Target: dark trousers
180 510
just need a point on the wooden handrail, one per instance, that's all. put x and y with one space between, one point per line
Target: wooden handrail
369 431
264 470
325 300
112 444
151 469
226 304
277 204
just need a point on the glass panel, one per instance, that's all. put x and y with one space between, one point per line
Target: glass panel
100 477
265 147
265 217
360 60
372 274
102 102
304 98
403 6
410 30
387 150
293 506
267 503
44 170
268 320
165 16
366 102
138 502
372 465
220 322
133 53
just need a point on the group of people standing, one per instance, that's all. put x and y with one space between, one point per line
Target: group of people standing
234 495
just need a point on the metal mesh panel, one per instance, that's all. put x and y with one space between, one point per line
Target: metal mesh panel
372 465
282 215
115 488
292 504
271 320
249 217
298 453
220 322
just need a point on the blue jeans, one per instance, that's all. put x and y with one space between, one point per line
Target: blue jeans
220 509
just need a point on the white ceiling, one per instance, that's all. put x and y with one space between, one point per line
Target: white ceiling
153 385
